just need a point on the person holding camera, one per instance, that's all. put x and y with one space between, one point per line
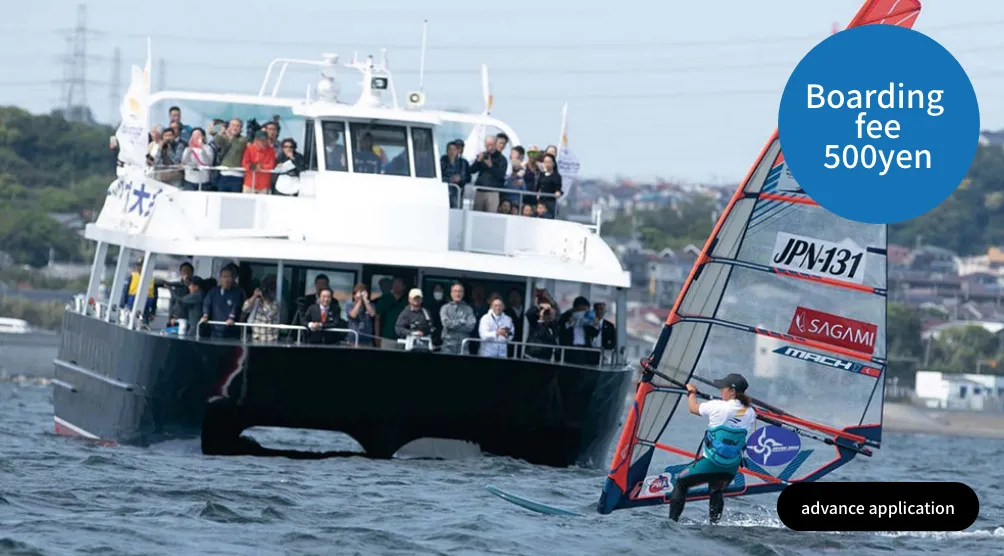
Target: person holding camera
361 314
490 166
229 153
577 328
544 332
263 308
496 330
414 320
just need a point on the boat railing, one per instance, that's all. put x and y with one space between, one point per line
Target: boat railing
523 196
521 353
244 326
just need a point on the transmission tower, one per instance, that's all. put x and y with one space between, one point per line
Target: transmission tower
114 86
75 76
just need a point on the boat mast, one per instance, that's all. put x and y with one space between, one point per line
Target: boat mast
421 63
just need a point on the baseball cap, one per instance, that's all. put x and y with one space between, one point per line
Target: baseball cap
732 380
415 292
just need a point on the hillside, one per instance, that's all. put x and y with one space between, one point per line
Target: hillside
49 165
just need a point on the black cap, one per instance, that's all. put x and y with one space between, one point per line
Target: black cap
197 281
732 380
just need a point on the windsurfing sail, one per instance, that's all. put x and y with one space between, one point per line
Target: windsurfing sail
794 298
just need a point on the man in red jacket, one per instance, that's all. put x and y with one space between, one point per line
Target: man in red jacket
258 159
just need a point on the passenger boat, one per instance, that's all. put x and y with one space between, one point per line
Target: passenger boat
119 380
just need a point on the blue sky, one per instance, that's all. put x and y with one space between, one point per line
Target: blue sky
681 90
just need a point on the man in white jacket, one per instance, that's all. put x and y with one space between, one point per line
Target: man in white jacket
495 330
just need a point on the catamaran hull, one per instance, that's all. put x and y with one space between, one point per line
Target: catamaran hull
137 388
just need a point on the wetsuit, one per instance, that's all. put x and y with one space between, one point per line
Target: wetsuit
729 425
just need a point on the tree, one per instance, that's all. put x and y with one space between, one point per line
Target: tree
903 331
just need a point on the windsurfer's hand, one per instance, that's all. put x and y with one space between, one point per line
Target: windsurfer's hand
691 389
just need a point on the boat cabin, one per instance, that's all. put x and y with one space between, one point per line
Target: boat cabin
369 207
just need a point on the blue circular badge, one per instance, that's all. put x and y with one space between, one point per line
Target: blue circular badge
879 124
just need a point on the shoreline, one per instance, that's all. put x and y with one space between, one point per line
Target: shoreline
907 418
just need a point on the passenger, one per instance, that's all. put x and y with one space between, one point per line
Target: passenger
458 320
334 150
174 117
577 328
190 305
181 141
289 153
490 166
543 332
179 290
505 207
389 307
434 304
263 308
415 320
541 211
258 161
223 304
552 150
168 159
303 303
132 290
455 170
531 171
360 314
549 182
496 330
271 130
230 147
501 142
607 338
365 161
528 210
322 316
515 310
196 156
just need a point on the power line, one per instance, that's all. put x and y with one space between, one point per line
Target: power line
766 39
115 85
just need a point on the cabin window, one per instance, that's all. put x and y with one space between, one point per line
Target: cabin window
334 147
962 391
425 155
310 146
380 149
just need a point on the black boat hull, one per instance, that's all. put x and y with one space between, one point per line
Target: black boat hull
139 388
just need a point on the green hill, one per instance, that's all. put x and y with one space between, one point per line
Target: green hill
49 165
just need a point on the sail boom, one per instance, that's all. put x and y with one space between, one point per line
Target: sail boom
800 276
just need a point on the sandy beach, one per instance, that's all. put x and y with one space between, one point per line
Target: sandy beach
901 417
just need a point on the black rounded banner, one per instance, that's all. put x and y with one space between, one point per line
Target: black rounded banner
878 506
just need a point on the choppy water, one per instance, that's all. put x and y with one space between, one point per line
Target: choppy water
67 496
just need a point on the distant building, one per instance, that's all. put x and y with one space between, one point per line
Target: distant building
968 392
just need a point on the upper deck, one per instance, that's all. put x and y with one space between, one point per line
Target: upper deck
340 208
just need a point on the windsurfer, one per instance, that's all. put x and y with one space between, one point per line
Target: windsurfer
730 422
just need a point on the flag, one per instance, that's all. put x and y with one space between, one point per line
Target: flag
475 142
568 164
134 129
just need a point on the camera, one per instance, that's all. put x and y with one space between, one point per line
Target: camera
251 128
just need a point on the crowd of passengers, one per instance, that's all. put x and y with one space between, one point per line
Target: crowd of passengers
525 183
212 308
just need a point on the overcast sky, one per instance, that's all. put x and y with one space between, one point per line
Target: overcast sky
685 90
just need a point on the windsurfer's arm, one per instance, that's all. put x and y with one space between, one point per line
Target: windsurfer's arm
692 404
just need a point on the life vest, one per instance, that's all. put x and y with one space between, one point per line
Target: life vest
134 286
724 445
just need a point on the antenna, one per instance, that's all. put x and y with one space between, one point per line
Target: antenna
421 63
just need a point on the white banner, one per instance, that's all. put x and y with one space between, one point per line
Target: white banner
475 142
130 201
568 164
133 132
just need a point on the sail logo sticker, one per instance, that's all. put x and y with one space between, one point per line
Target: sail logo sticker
834 362
834 330
816 257
656 486
771 446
